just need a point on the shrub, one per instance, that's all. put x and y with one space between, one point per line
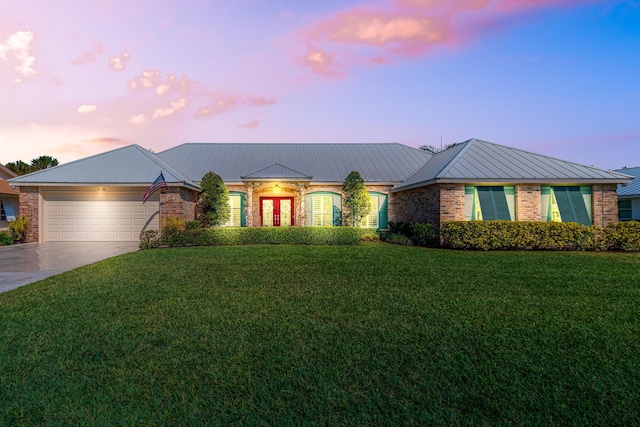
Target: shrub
371 237
173 223
625 236
357 201
19 227
215 200
6 238
421 234
396 239
517 235
149 239
193 225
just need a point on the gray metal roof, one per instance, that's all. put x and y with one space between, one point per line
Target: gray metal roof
633 188
277 171
383 163
131 165
481 161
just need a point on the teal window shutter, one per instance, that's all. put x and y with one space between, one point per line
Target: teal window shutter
493 203
571 205
545 200
337 210
624 210
469 199
510 195
243 212
383 221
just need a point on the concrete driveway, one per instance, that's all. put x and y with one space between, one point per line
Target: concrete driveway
27 263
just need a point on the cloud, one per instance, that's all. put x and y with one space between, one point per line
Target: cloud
87 108
118 63
320 62
16 49
154 79
138 120
219 103
90 55
406 28
253 124
175 106
92 145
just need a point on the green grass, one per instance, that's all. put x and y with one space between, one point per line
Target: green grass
293 335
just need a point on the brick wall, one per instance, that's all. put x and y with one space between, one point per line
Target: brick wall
528 202
605 204
432 204
178 202
29 208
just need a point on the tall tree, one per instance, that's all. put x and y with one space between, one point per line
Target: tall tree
43 162
356 198
215 200
19 167
434 150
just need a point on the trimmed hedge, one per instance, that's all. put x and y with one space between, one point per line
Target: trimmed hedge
6 238
261 235
625 236
518 235
410 233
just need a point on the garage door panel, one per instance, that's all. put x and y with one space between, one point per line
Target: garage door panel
68 220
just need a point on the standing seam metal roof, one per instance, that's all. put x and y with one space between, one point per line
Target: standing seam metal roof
633 188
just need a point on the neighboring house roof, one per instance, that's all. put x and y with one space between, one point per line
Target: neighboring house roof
6 173
277 171
131 165
382 163
5 188
481 161
633 188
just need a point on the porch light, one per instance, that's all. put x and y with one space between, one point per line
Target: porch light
276 188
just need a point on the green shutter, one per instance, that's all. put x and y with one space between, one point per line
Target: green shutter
308 208
493 203
469 199
545 200
383 218
572 205
337 210
625 212
510 195
243 213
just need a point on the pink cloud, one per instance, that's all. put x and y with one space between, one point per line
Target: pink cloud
253 124
90 55
118 63
403 28
167 111
219 103
91 145
87 108
16 50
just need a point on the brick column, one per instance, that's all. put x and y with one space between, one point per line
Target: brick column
528 202
451 203
29 208
605 204
178 202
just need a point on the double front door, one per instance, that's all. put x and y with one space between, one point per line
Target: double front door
276 211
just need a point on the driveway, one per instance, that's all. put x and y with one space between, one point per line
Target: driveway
27 263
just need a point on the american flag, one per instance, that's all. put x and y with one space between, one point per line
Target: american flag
157 184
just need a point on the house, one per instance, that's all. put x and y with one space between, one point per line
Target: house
629 196
100 197
9 198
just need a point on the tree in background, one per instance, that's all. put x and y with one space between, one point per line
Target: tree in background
215 200
21 168
356 199
434 150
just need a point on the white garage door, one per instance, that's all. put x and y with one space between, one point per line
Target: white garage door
99 220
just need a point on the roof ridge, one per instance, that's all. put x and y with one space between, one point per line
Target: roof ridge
455 158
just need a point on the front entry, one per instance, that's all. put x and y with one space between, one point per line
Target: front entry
276 211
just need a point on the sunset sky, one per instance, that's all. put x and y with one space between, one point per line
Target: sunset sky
557 77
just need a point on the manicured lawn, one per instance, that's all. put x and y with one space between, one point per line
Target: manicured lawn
292 335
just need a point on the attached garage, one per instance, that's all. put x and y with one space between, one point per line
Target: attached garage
104 215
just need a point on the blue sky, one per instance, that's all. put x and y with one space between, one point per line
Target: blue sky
561 78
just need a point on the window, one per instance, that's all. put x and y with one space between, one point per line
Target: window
324 209
624 210
487 203
3 215
378 212
236 217
566 204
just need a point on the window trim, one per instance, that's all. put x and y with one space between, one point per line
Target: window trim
334 218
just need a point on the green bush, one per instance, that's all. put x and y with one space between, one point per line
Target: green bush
396 239
261 235
6 238
149 239
625 236
420 234
19 227
518 235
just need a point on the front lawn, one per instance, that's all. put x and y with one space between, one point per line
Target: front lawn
291 335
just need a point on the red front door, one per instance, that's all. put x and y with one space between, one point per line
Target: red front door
276 211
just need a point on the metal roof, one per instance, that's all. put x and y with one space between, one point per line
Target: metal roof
633 188
277 171
481 161
6 173
131 165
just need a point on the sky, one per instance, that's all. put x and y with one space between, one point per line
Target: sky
556 77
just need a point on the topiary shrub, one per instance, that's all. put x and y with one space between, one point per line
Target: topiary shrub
215 200
357 201
624 236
